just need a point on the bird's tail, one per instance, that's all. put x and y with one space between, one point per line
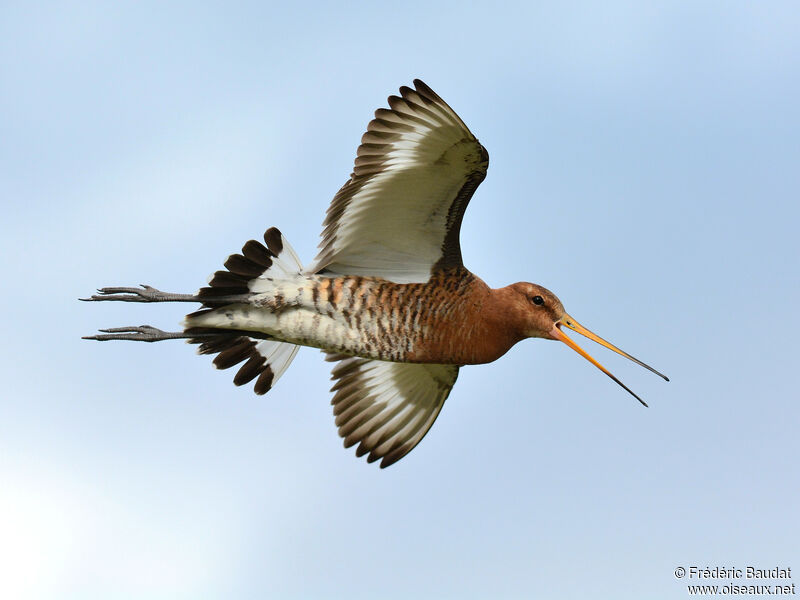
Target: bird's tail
253 271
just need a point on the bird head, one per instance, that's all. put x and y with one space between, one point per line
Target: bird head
543 316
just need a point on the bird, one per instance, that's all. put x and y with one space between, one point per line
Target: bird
387 298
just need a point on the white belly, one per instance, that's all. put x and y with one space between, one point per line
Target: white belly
288 311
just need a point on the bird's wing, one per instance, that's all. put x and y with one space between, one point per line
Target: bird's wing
386 407
399 215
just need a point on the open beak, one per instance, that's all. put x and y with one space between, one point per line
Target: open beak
571 323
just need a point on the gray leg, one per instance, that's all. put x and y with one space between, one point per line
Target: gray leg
143 333
144 294
147 293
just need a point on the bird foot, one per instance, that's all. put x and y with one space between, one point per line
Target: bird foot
145 293
142 333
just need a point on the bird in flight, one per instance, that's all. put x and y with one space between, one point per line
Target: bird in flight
387 298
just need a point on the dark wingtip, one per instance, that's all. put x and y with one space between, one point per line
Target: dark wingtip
388 462
426 92
421 86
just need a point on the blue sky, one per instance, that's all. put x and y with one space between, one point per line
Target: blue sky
644 167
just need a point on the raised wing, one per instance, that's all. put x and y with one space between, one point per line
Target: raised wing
385 407
399 215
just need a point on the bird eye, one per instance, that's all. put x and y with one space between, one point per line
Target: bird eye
538 300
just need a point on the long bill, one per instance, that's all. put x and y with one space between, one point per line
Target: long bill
571 323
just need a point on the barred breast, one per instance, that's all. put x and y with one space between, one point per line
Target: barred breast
375 318
446 320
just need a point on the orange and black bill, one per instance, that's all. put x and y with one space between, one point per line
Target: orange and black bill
571 323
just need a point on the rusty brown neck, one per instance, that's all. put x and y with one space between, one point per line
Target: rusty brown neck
469 322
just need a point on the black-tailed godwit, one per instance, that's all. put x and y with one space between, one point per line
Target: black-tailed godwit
387 298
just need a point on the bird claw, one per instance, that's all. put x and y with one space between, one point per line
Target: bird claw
144 293
142 333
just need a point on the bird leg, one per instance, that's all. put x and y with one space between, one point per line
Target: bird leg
144 294
143 333
147 293
148 333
